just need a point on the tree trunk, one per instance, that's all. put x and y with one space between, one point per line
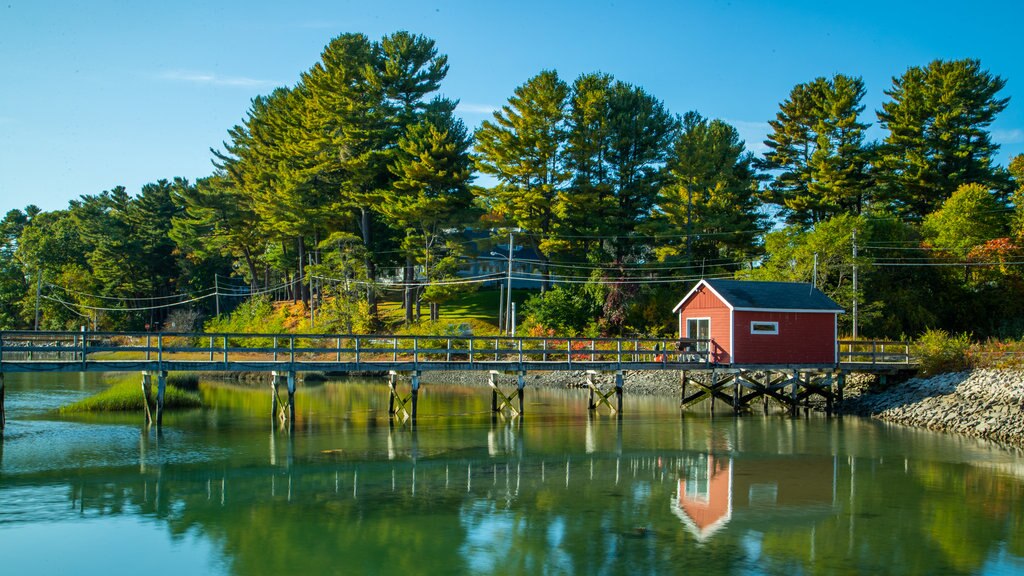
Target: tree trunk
409 295
302 290
253 280
371 269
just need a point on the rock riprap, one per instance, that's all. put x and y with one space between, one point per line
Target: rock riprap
983 403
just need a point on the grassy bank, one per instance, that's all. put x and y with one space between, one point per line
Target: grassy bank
125 395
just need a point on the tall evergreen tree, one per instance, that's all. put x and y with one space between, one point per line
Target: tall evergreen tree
523 148
816 151
431 193
709 198
640 138
217 219
938 119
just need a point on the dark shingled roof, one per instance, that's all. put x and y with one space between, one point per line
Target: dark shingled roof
773 295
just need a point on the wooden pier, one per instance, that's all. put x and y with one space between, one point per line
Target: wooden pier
408 357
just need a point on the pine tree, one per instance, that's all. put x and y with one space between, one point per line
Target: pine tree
938 140
217 219
709 197
816 151
431 195
524 149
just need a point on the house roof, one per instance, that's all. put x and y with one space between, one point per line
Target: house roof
776 296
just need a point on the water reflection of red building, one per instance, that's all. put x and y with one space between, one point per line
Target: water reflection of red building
714 491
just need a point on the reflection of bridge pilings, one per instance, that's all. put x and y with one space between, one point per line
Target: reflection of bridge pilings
593 422
505 438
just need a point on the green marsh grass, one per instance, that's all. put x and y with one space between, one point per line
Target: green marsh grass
125 395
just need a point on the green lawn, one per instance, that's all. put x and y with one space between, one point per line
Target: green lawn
481 305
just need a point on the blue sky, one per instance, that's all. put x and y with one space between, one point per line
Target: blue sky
102 93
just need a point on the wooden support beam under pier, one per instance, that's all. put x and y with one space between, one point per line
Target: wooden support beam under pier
499 400
600 397
399 405
739 388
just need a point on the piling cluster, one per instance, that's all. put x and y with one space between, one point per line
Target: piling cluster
982 403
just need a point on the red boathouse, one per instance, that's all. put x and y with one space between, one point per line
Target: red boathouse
761 322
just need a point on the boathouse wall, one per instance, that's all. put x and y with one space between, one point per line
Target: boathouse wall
801 338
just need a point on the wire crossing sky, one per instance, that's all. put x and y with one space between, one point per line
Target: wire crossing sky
104 93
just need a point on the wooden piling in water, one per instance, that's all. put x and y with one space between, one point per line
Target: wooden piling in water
275 380
161 389
391 393
415 393
521 388
147 387
619 381
291 396
3 403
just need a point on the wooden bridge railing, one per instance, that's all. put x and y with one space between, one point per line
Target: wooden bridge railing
110 347
874 352
84 347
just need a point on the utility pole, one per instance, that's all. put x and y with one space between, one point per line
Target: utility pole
814 279
501 307
216 291
508 290
855 296
39 290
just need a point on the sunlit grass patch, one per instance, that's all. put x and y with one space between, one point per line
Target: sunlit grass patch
125 395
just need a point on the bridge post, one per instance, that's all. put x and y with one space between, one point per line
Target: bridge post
494 390
828 394
521 387
291 396
682 382
618 392
161 388
3 406
794 403
275 379
590 385
392 377
840 384
415 392
711 396
147 387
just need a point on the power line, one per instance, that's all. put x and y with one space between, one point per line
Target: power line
137 309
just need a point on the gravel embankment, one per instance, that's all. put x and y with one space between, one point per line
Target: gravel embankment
982 403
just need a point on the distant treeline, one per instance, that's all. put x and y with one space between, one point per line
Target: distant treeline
361 173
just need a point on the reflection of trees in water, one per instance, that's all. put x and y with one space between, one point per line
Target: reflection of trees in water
561 494
524 515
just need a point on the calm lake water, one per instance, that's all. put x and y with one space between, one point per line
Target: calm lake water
224 490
